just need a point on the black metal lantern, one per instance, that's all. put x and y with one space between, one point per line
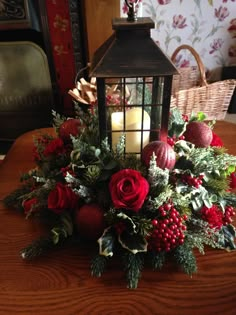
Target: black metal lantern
134 79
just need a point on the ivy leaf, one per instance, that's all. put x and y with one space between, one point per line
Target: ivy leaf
106 243
133 242
210 2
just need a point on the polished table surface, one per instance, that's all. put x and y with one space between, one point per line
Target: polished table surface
60 282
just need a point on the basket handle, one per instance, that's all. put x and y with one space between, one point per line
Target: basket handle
203 81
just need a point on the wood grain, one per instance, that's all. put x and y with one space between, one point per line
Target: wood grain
60 282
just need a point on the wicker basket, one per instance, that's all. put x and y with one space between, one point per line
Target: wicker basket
194 95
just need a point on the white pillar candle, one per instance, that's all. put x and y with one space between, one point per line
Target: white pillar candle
133 121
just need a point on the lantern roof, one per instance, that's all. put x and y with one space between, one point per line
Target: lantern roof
131 52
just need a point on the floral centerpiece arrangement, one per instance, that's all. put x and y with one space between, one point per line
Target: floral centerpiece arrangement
176 197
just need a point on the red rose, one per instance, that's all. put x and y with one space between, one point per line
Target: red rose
29 205
128 189
62 198
56 146
70 127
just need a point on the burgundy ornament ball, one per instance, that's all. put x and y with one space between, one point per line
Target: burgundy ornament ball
165 155
69 127
90 222
199 134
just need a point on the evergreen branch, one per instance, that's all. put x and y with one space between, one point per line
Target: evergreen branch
37 248
185 258
157 260
200 234
219 185
55 238
14 199
98 265
133 266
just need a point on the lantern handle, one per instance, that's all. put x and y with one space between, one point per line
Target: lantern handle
80 71
132 14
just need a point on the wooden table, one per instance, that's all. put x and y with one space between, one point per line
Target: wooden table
60 283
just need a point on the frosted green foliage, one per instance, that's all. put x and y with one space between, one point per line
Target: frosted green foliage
57 119
206 160
161 198
120 147
200 234
105 146
156 175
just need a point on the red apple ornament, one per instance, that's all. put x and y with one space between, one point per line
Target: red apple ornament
199 134
165 155
90 222
69 127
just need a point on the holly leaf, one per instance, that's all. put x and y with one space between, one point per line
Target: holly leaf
227 237
133 242
106 243
129 223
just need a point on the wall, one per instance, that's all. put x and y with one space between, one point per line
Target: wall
98 17
207 25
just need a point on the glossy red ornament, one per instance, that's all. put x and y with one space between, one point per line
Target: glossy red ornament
165 155
90 222
199 134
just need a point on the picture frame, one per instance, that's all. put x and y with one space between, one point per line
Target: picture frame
14 14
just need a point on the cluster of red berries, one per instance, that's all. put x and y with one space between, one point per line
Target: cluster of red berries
194 181
168 231
172 140
229 213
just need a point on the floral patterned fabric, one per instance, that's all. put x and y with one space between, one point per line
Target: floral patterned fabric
208 26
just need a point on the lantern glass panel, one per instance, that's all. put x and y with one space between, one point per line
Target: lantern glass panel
134 109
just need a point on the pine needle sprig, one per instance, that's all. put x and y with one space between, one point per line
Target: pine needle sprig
37 248
200 234
98 265
185 258
55 238
219 185
14 200
157 260
133 264
131 161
